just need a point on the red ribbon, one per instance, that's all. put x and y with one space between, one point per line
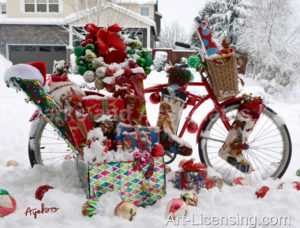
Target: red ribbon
190 166
58 78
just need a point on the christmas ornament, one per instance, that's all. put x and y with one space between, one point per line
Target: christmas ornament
89 76
157 150
90 46
175 208
126 210
296 184
131 52
192 127
92 207
194 61
179 76
79 51
298 172
82 69
8 204
240 181
99 62
155 98
12 163
190 198
40 191
90 56
262 192
101 72
99 84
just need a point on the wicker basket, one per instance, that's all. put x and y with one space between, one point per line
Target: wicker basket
224 77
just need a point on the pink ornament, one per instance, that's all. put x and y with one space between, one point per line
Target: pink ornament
155 98
8 204
240 181
262 192
83 43
175 208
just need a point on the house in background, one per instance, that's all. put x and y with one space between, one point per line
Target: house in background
45 30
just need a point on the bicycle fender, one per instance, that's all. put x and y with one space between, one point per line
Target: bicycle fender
208 116
34 115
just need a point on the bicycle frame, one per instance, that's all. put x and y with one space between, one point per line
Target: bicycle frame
199 101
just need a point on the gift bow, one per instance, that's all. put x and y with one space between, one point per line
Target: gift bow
142 161
107 38
190 166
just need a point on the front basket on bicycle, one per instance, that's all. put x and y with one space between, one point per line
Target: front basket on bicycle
224 76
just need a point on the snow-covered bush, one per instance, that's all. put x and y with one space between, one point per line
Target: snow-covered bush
271 39
160 60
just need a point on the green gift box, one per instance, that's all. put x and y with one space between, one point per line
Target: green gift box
123 177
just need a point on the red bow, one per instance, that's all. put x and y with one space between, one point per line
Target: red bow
142 161
190 166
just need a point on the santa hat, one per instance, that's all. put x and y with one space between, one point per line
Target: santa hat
32 71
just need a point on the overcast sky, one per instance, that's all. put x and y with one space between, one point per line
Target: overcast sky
183 11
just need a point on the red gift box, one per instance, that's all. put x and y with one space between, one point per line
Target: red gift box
79 129
98 106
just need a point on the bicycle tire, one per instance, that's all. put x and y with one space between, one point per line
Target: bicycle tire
271 115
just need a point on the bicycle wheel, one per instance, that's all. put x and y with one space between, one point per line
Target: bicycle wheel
268 148
45 146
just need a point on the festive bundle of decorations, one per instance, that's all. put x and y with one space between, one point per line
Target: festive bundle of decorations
245 120
193 176
117 149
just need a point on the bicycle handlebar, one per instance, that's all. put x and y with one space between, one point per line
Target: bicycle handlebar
184 45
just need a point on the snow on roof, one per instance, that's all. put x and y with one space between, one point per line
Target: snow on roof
140 2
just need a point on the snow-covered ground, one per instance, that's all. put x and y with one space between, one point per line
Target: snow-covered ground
234 203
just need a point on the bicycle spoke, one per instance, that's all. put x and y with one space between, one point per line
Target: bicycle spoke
217 140
267 154
253 147
264 138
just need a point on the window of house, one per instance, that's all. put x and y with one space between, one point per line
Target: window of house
29 5
42 6
54 6
3 9
145 11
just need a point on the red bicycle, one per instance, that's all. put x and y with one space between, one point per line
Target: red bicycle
268 148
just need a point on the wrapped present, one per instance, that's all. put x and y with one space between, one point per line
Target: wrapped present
131 89
241 128
193 176
131 138
79 129
96 107
125 178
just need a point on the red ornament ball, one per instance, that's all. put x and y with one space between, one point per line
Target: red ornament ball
297 185
90 41
110 88
83 43
158 150
90 36
192 127
155 98
262 192
39 193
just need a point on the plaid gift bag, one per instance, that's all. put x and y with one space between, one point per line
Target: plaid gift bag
125 178
131 138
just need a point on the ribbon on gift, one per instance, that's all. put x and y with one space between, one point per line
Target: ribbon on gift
142 161
58 78
190 166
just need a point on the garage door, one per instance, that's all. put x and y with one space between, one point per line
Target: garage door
47 54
